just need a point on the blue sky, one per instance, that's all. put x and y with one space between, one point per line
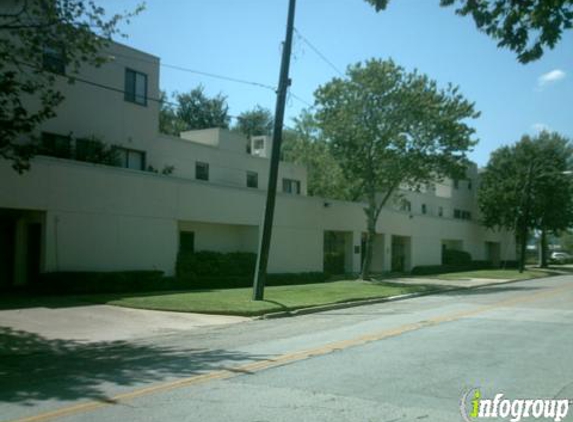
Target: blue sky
242 39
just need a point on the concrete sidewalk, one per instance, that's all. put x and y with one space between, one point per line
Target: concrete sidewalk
97 323
466 282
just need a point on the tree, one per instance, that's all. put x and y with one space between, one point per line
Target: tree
305 145
197 111
526 27
388 127
39 39
255 122
524 187
169 122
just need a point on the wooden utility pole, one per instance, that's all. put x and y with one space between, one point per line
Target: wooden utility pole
284 82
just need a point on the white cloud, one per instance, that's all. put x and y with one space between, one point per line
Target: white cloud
540 127
550 77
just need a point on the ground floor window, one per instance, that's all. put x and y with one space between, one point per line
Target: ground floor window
131 158
291 186
186 242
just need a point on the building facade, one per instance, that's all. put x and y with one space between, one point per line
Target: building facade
203 190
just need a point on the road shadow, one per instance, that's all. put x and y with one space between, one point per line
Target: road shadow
33 368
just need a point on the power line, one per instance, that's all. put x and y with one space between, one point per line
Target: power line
200 72
296 97
318 52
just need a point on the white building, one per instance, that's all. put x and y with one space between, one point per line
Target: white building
68 215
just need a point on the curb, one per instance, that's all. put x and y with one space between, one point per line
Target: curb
364 302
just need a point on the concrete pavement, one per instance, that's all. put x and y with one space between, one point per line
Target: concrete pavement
402 361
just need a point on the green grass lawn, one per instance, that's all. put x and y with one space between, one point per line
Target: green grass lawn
238 301
497 274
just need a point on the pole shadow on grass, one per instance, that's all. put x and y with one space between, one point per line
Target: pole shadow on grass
33 368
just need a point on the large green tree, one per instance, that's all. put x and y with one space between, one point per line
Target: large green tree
526 186
388 127
169 121
198 111
526 27
255 122
305 144
32 34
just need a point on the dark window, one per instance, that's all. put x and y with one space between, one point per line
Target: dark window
469 184
252 179
54 59
186 242
405 205
56 145
441 211
424 209
135 87
131 158
291 186
457 214
201 171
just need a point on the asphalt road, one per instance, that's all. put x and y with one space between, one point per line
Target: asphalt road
410 360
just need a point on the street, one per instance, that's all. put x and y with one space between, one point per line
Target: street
409 360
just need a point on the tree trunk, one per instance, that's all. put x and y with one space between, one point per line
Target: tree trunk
371 232
543 248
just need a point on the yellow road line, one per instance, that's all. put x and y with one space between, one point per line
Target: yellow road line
286 358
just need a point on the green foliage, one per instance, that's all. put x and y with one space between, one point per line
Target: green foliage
99 282
386 127
195 265
455 257
169 122
76 29
305 145
255 122
524 184
525 27
197 111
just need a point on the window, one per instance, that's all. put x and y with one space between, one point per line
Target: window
441 212
201 171
56 145
186 242
291 186
131 159
456 183
252 179
54 59
462 215
405 205
424 209
470 184
135 87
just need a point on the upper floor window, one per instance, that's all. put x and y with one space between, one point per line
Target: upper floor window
135 87
462 215
405 205
54 59
201 171
56 145
131 158
291 186
252 179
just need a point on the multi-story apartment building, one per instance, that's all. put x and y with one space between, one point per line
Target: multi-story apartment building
204 190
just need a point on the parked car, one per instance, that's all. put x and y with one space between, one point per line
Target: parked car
561 257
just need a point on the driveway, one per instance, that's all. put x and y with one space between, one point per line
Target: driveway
97 323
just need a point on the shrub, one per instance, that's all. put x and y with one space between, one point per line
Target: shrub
456 257
207 264
99 282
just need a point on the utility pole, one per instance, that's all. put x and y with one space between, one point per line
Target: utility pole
284 82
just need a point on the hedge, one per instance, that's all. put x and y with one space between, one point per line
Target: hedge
99 282
456 257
